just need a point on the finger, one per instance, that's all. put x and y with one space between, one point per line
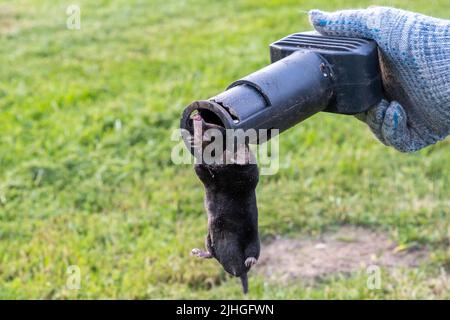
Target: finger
396 131
374 119
348 23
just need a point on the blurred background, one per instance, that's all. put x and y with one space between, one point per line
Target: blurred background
86 178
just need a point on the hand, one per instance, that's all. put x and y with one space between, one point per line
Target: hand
415 65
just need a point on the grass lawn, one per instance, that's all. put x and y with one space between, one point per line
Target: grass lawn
86 176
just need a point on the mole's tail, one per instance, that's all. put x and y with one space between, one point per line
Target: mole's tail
244 280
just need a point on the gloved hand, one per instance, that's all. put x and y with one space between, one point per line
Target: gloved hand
415 66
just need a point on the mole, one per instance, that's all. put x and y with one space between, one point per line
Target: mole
230 202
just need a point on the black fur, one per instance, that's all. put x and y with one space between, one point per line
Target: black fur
232 215
230 202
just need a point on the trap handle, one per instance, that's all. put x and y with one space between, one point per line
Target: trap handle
309 73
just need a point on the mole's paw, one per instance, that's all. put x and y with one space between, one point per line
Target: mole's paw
200 253
250 261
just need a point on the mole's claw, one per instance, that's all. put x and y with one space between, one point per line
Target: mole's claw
200 253
250 261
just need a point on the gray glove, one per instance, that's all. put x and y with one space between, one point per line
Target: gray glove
415 65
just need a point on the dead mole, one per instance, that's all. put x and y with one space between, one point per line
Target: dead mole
230 203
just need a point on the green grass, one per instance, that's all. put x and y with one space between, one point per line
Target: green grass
85 171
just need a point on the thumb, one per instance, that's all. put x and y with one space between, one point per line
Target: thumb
389 123
397 132
348 23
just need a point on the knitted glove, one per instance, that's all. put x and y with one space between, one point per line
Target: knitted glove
415 65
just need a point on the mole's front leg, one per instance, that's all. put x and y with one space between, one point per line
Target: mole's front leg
203 254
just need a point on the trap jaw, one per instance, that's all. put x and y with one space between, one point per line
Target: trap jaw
309 73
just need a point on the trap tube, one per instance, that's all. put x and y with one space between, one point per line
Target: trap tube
277 96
